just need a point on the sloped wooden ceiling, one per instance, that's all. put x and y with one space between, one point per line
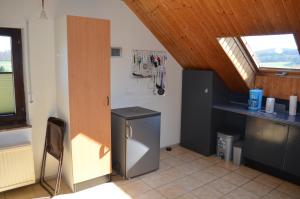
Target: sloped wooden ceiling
189 28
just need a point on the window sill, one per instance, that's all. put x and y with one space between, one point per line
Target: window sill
15 136
14 127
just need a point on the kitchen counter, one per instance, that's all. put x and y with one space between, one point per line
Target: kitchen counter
280 117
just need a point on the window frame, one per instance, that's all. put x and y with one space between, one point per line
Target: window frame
19 117
266 70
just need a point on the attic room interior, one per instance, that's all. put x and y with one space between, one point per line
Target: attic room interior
160 99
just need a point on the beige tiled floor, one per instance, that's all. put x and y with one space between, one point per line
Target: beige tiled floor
183 174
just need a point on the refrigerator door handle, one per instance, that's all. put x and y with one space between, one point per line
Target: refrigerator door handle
130 131
127 132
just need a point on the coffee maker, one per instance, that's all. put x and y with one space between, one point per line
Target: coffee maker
255 99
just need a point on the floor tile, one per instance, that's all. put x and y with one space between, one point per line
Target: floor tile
257 188
40 192
177 150
163 178
207 192
172 162
187 196
135 188
164 154
217 171
188 168
268 180
277 195
201 164
187 157
236 179
120 181
228 165
198 155
241 194
222 186
247 172
106 190
290 189
212 159
20 193
203 177
163 166
178 187
152 194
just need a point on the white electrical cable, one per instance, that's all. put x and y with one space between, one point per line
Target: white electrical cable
28 64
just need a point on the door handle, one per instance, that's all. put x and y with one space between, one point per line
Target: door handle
127 132
130 131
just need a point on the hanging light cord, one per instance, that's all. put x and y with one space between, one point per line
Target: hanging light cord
43 4
43 13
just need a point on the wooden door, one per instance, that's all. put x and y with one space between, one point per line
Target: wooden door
89 93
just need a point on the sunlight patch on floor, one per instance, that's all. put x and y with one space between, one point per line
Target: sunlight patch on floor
107 190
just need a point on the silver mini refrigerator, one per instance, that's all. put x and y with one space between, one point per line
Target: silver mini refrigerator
135 141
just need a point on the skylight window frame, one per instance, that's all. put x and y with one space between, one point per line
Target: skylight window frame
251 55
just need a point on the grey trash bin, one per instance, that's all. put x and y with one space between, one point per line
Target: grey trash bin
238 153
225 144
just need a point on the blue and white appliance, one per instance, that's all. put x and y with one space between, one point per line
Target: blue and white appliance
255 99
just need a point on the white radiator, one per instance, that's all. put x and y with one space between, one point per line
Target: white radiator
16 167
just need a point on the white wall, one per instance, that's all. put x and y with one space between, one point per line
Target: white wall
127 31
15 13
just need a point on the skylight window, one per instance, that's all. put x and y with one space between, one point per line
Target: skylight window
273 51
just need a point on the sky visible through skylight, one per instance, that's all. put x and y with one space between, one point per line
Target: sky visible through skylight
274 51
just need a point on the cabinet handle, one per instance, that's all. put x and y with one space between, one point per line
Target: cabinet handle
107 100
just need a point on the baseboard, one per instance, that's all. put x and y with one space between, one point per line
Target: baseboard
91 183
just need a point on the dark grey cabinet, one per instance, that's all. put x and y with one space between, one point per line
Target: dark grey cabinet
292 155
200 90
265 142
273 144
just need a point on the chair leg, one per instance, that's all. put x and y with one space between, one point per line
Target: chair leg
59 174
52 191
42 176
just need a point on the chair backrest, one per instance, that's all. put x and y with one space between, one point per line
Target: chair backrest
55 136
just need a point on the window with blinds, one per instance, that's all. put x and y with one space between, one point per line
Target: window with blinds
239 57
7 96
12 98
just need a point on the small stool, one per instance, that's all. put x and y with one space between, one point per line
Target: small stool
54 146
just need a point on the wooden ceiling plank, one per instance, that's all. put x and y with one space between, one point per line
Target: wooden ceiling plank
228 17
242 16
158 30
257 10
188 28
274 9
292 8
